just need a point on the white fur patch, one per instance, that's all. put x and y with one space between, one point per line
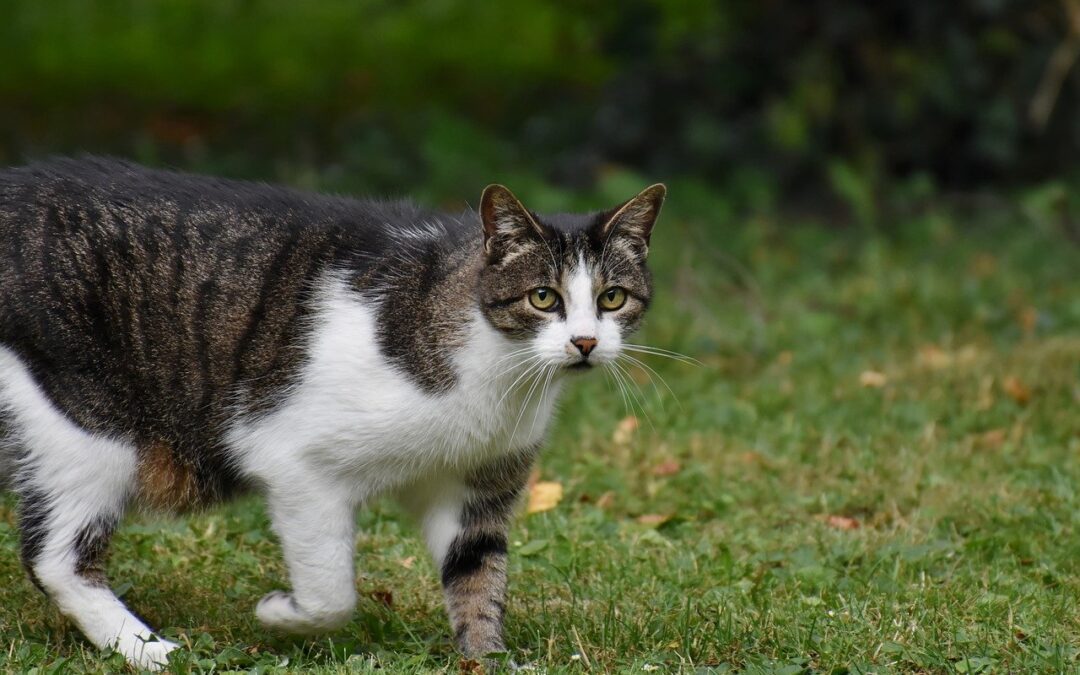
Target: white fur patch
365 427
83 477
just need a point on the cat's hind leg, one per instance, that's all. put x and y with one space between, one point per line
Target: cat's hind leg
73 487
67 516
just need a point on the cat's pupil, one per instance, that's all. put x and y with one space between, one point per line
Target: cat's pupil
541 295
611 295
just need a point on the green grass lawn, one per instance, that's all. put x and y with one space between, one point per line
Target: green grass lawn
874 468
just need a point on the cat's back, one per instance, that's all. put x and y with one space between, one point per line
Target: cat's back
141 297
84 230
98 198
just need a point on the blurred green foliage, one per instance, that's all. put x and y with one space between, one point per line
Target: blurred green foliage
822 97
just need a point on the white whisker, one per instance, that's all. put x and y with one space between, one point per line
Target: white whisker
540 400
511 367
525 404
622 389
653 376
635 393
666 353
533 367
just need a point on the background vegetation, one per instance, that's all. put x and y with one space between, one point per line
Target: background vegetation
870 247
791 99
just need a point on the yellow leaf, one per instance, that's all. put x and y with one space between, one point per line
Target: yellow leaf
872 378
624 430
934 357
543 496
654 519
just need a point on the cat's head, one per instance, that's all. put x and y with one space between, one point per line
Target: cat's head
570 288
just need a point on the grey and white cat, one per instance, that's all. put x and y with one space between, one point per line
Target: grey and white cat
168 341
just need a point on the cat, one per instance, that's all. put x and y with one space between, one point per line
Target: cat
168 341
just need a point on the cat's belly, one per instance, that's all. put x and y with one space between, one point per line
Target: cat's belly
358 420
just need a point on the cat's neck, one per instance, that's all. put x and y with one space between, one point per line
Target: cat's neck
509 380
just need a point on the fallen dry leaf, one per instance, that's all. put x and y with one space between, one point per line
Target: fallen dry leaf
544 496
668 467
407 563
934 357
991 440
1016 390
606 499
751 457
872 378
842 523
470 666
624 430
654 519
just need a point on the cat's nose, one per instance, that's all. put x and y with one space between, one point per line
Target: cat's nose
584 344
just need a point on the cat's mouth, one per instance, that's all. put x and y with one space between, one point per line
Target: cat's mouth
580 365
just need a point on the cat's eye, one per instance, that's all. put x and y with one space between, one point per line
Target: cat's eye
543 298
612 299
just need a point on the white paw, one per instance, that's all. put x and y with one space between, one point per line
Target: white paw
279 610
149 655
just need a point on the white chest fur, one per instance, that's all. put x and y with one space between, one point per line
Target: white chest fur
357 417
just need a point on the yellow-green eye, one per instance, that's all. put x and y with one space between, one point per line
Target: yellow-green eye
612 299
543 298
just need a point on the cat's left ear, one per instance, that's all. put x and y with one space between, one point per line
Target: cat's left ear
636 217
507 223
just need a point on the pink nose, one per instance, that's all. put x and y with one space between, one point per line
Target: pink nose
584 344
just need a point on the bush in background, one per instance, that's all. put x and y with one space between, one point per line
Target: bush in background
786 97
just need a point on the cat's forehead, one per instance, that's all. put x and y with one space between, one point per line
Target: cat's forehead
572 243
574 240
582 245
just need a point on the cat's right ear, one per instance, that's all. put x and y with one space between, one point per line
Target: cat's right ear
506 221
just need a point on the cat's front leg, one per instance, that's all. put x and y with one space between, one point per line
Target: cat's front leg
466 523
316 526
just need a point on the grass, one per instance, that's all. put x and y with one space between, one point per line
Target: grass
875 468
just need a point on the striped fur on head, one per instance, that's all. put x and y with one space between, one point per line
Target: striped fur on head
580 257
